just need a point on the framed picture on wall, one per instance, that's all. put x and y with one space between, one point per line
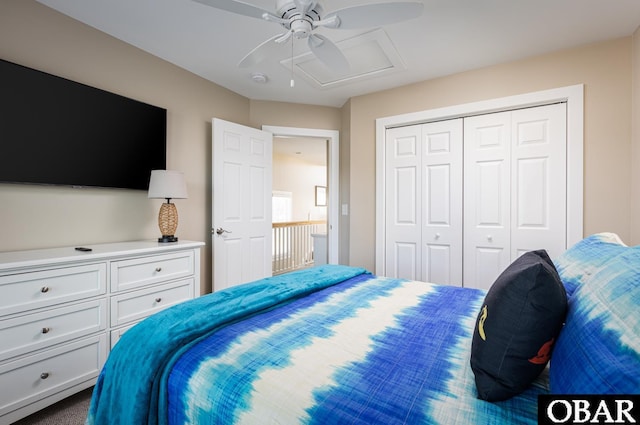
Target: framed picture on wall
321 196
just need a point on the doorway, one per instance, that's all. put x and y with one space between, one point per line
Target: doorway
331 139
299 207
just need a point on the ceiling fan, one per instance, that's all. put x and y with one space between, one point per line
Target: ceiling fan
301 18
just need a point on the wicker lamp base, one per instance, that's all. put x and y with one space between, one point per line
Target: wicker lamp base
168 222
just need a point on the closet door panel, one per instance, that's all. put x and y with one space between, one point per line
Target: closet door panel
532 211
442 202
488 264
539 180
488 195
487 218
468 196
405 261
402 211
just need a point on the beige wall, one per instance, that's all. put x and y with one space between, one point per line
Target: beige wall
345 183
300 178
294 115
604 69
635 141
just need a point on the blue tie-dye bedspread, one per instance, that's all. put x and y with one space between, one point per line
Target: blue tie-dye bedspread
349 348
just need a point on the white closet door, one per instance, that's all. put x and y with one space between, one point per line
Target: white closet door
487 165
403 195
442 202
515 189
460 211
539 180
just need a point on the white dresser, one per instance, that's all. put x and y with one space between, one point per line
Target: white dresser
62 310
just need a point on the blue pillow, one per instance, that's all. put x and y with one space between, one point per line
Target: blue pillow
598 350
577 263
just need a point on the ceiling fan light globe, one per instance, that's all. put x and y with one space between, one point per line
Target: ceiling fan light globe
301 28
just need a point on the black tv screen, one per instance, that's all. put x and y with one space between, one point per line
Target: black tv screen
60 132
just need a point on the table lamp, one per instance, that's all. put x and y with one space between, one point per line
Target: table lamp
167 184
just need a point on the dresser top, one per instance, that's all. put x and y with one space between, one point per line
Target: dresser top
42 257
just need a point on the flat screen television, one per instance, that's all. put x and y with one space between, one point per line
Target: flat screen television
59 132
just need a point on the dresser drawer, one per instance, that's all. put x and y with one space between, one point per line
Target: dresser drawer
139 272
43 329
139 304
42 288
35 377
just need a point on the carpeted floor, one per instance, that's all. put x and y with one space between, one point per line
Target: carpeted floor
70 411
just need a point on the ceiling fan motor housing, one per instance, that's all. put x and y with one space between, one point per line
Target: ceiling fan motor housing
300 25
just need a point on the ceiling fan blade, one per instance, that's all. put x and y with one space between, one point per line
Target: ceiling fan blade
239 7
373 15
328 53
265 50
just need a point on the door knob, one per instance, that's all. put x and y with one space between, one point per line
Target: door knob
221 231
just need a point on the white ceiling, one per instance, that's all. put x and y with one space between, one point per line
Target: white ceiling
450 36
310 150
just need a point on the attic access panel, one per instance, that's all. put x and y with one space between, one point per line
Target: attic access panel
370 55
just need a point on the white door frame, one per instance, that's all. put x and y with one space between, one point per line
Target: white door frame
333 186
573 95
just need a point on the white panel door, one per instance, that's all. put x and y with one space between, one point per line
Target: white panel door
403 232
241 211
538 180
442 202
424 215
487 212
466 197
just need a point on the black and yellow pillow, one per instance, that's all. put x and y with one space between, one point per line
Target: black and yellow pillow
518 323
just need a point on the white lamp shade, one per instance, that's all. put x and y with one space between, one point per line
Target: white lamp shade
167 184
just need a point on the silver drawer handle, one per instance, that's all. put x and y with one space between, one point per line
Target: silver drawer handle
44 289
44 375
158 269
46 330
158 299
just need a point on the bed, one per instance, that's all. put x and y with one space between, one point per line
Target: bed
338 345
